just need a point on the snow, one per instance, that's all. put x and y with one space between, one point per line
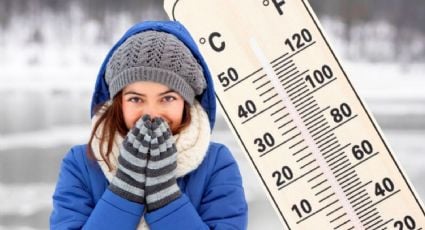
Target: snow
387 81
48 138
45 95
17 228
25 199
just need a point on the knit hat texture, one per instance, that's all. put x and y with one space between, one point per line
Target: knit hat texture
159 57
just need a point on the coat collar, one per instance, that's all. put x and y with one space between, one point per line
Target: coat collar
191 143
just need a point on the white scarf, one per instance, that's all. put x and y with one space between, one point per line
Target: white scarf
191 143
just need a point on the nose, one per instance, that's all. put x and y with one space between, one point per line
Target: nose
151 110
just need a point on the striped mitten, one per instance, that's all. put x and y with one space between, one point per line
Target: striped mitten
129 180
161 185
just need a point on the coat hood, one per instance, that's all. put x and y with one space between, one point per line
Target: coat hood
206 99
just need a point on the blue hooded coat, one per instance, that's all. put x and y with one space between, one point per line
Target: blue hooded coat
212 194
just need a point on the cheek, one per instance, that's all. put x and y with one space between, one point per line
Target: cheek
176 117
130 115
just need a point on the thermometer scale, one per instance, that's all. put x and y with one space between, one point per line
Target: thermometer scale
317 150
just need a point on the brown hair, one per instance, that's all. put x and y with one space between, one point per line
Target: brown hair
112 121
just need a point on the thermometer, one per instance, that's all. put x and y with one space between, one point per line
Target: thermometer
319 153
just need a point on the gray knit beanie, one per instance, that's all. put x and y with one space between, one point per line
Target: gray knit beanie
155 56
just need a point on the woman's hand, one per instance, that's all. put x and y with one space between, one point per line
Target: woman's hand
130 178
161 186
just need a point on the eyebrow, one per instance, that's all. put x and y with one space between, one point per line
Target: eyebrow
132 92
168 91
143 95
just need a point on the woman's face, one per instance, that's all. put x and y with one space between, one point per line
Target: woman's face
155 99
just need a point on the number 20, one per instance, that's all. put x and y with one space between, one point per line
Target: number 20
408 221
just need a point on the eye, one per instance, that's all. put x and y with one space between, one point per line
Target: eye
169 98
135 100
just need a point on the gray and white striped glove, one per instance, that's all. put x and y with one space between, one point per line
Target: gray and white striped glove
129 180
161 185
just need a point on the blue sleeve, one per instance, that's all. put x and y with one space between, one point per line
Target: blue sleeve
223 204
74 207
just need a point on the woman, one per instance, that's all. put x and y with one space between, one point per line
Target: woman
149 162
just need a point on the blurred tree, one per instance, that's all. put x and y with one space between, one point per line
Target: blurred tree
406 17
